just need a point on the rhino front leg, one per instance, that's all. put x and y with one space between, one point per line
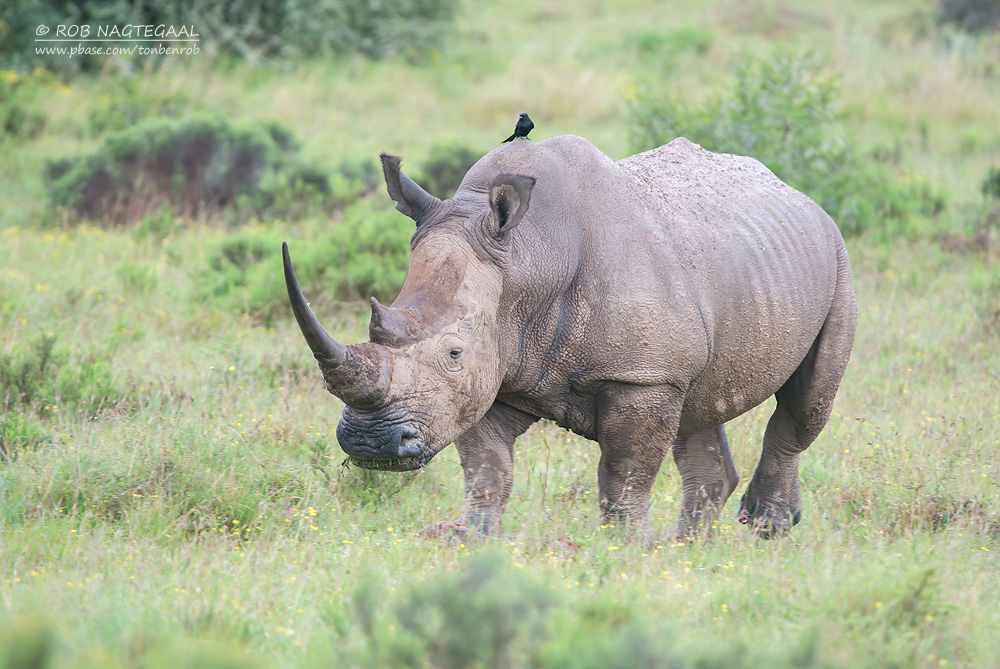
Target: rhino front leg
487 453
636 426
709 477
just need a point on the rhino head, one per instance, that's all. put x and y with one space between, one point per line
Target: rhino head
433 365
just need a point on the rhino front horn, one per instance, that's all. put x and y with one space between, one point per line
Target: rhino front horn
332 352
360 379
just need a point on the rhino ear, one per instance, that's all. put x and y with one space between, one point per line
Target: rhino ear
410 198
509 196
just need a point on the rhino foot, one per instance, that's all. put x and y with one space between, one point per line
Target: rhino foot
768 519
451 532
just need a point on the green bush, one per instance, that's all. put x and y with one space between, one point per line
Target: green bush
991 184
28 642
970 15
42 377
781 111
194 167
322 28
673 42
482 615
245 29
128 105
445 168
18 117
366 254
137 276
488 614
363 254
19 20
19 432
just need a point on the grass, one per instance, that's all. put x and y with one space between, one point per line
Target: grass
204 515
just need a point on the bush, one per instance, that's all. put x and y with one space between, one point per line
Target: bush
482 615
129 105
674 42
323 28
445 168
193 166
19 433
28 641
245 29
18 117
17 31
991 184
970 15
783 112
486 614
42 377
365 253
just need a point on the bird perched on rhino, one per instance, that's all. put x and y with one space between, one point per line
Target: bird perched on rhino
523 127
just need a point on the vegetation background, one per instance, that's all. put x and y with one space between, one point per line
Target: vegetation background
171 490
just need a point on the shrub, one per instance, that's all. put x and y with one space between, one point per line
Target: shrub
486 614
445 168
783 112
128 104
970 15
673 42
318 28
606 632
365 253
19 432
482 615
28 641
17 30
18 117
193 166
245 29
991 184
42 377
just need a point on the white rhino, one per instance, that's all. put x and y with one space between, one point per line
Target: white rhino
640 303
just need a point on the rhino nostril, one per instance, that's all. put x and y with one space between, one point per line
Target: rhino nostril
410 444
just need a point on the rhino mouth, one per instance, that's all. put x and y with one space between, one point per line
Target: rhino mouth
383 443
393 465
413 457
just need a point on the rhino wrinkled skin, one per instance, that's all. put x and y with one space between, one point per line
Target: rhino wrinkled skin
640 303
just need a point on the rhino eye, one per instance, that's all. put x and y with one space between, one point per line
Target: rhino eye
455 353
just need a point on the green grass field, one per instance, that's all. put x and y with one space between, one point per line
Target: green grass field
175 496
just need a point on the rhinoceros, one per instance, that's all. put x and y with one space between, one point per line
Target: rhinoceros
640 303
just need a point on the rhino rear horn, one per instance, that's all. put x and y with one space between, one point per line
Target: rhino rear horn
410 198
391 326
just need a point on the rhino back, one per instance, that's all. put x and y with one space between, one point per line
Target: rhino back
760 260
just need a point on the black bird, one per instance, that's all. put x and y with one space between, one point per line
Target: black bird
523 127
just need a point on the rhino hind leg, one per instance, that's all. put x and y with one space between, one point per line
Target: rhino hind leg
772 503
709 477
